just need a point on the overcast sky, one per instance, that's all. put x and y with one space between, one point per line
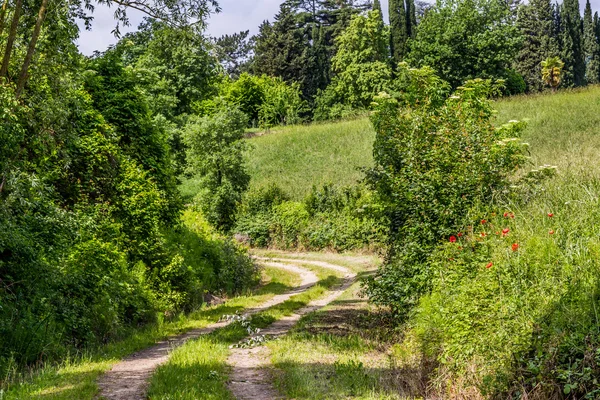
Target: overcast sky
236 15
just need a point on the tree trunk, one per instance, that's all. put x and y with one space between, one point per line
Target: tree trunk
30 50
3 15
11 39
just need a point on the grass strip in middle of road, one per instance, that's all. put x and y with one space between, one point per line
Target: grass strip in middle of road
198 369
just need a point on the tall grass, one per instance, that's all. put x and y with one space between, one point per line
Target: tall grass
298 157
517 315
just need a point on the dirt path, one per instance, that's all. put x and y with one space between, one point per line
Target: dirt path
128 379
250 378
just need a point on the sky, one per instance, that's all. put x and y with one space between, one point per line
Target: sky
236 16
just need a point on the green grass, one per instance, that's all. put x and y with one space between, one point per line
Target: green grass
198 370
298 157
336 353
75 378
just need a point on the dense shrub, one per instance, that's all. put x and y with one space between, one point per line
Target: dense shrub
328 218
91 243
435 160
266 101
526 281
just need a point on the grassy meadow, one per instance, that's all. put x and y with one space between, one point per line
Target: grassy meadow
562 130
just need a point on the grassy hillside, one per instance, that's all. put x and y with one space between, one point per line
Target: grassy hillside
563 131
296 158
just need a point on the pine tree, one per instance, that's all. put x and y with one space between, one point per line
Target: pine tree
280 47
590 47
572 43
535 21
398 30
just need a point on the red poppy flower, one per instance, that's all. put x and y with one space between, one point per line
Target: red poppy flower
460 234
483 221
497 233
452 239
512 215
505 231
489 265
506 215
483 234
551 232
515 247
550 215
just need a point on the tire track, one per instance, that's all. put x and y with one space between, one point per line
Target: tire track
250 378
128 379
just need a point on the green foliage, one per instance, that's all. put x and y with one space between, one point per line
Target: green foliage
266 101
215 148
282 103
434 161
328 218
360 66
552 70
591 47
536 23
572 52
399 30
466 39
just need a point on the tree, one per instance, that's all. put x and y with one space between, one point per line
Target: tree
435 157
572 43
280 47
377 7
399 30
552 68
234 52
411 18
535 21
467 39
215 155
591 48
360 67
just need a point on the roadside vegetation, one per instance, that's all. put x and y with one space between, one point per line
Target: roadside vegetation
75 377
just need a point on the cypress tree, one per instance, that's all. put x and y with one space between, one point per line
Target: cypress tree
398 30
377 7
590 46
411 18
536 24
572 42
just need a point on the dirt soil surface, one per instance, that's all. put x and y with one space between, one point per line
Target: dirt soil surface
250 378
128 379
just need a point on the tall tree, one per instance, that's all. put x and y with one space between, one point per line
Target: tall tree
233 52
591 49
572 43
399 31
377 7
280 47
535 21
461 42
411 18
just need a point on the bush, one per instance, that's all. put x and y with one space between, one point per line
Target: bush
328 218
434 162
